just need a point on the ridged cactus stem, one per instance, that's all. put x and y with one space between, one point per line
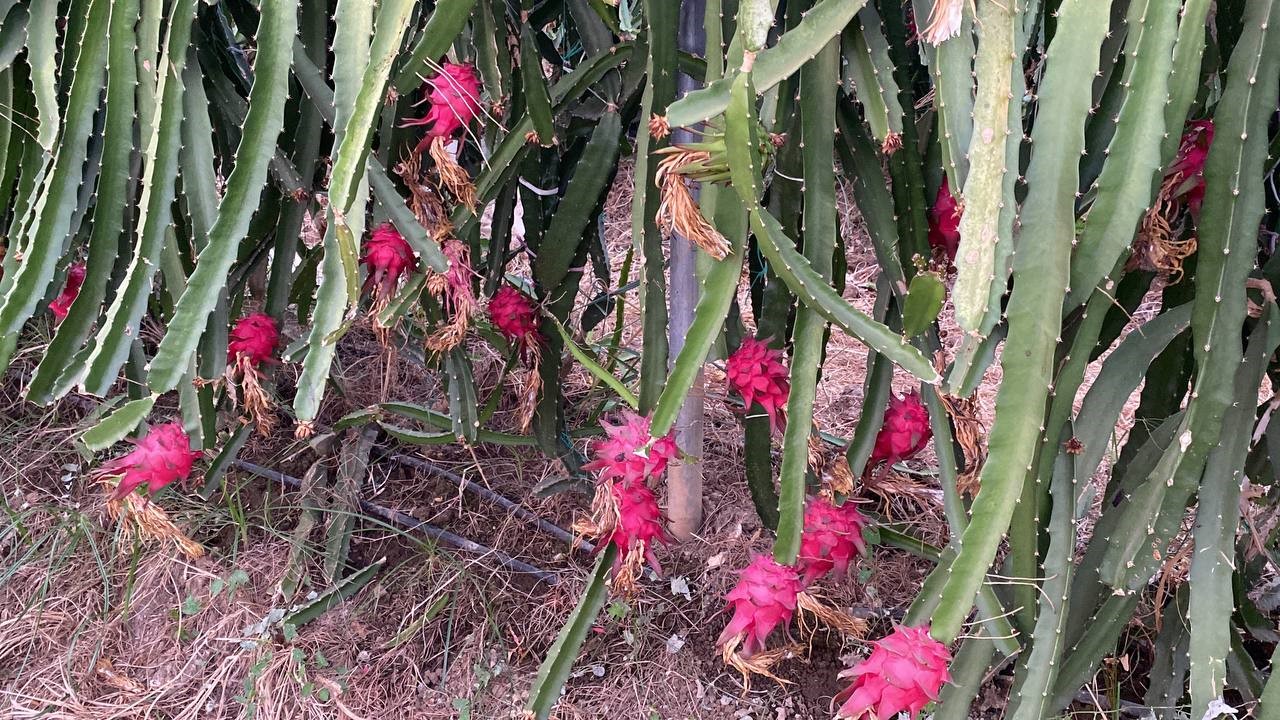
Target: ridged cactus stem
262 126
659 91
1126 187
819 79
1038 668
58 369
1233 206
57 200
1036 306
161 154
867 58
1217 521
984 188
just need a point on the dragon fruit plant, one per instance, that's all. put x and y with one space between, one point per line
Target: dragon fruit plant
453 97
764 600
388 258
1094 157
832 539
516 317
944 222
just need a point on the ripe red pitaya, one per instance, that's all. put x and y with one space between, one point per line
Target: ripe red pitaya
388 256
904 672
515 316
832 539
61 305
254 338
944 221
628 453
1188 166
756 372
905 431
454 96
161 457
639 525
763 599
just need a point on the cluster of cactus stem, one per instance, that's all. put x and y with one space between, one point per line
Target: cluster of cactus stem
1069 161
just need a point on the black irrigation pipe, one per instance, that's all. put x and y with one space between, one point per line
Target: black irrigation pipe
409 522
507 504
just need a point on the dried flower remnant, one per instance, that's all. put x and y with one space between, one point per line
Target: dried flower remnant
452 289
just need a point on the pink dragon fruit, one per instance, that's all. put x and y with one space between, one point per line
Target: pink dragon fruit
255 338
388 256
627 452
944 222
515 316
639 524
161 457
756 372
454 96
832 539
763 599
1188 166
904 672
61 305
905 431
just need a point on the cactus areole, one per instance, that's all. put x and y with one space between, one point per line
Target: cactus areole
161 457
905 671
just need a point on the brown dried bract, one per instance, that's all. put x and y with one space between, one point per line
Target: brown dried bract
139 517
679 212
244 382
452 289
531 391
452 176
1156 248
971 434
760 663
810 604
892 143
659 128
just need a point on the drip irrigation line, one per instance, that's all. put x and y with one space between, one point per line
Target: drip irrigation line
409 522
505 503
